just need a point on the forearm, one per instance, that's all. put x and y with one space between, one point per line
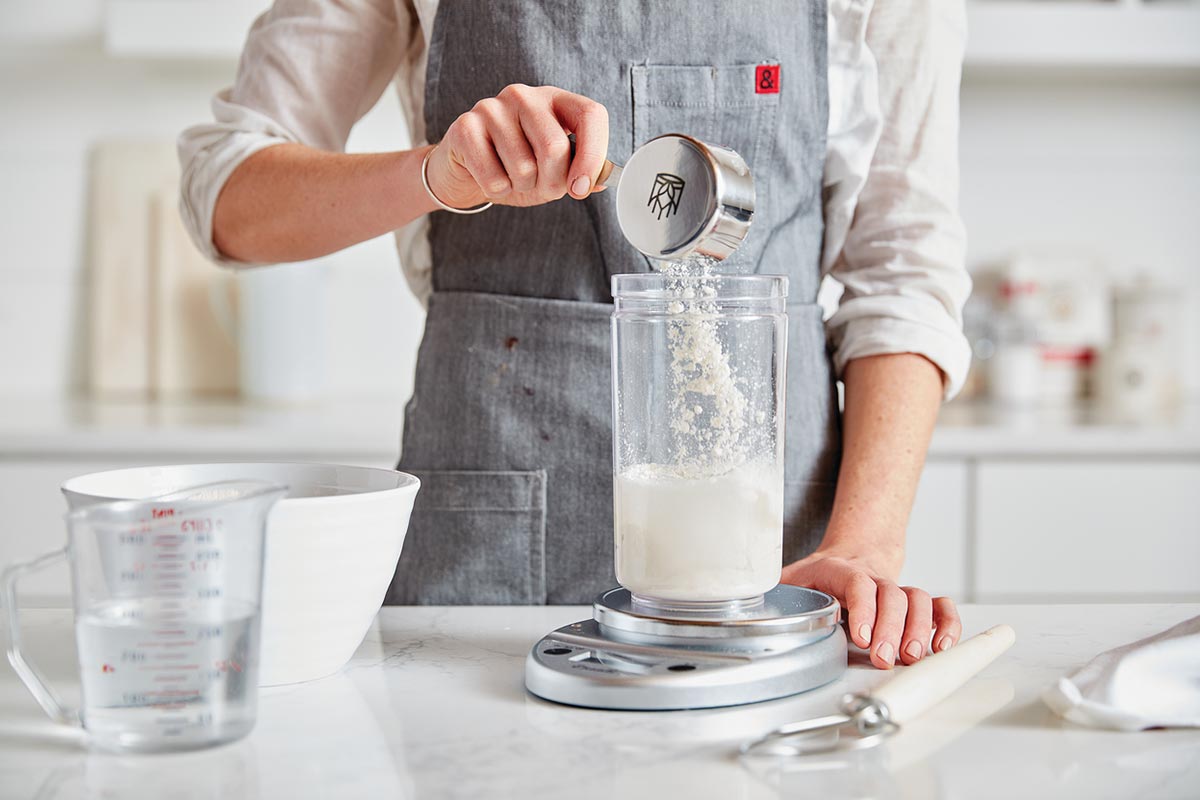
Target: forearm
292 203
892 402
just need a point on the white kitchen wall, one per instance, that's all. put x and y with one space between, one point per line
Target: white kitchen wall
59 94
1108 164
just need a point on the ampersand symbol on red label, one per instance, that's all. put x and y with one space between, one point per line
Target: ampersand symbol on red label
766 79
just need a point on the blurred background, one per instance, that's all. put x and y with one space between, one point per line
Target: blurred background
1068 470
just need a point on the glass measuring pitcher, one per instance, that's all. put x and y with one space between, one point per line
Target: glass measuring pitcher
167 594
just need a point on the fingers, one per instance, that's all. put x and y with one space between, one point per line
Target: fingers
504 130
947 623
472 147
513 147
545 136
891 610
917 626
860 601
588 120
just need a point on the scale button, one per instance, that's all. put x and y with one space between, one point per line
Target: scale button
681 667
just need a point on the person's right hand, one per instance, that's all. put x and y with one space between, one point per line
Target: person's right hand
512 149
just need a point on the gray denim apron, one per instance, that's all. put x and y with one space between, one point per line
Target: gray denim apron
509 424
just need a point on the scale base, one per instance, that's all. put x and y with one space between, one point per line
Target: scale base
595 666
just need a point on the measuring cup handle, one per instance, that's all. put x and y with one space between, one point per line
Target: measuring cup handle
33 680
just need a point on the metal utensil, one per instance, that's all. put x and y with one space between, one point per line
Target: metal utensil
678 196
867 719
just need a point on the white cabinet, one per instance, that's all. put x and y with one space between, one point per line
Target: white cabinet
1054 529
936 549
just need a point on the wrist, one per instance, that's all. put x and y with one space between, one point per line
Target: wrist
882 553
446 184
407 198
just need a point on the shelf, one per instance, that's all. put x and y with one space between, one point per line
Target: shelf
33 428
1123 35
986 430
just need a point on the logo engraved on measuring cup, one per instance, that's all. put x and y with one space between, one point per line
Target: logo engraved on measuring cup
665 194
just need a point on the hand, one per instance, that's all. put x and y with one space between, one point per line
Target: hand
512 149
885 618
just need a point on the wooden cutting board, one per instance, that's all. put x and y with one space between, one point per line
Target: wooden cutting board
193 353
153 331
125 176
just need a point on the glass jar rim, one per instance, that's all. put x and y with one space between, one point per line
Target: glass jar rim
726 287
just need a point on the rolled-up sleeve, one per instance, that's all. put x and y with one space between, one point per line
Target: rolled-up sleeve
309 70
901 248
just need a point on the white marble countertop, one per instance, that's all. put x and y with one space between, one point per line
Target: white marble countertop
370 429
433 706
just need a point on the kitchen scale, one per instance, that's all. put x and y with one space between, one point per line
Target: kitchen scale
676 197
633 655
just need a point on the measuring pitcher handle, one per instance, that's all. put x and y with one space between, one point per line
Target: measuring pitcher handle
29 675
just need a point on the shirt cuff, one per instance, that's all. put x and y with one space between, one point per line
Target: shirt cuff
208 155
857 330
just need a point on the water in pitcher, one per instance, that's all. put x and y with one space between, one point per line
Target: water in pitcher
158 675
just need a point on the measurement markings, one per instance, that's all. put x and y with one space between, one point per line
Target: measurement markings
175 720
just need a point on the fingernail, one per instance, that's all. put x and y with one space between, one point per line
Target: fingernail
864 632
914 649
886 653
581 185
945 643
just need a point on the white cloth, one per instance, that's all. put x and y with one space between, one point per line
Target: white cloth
311 68
1152 683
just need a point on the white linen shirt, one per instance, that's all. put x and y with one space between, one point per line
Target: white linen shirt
893 237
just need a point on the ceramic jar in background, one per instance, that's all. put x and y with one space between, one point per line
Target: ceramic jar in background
1138 374
280 327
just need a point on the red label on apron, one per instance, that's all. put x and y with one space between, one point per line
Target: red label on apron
766 79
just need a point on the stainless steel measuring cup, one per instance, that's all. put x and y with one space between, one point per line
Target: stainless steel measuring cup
167 594
678 196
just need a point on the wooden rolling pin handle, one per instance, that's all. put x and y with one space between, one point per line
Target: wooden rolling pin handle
930 681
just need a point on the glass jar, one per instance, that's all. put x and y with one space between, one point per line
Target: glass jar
698 393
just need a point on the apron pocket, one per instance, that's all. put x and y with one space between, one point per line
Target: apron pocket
719 105
475 537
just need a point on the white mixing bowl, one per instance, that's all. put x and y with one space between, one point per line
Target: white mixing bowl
332 547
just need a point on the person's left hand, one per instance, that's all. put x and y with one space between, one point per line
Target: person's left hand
887 619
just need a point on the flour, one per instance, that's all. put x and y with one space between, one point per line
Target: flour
707 408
